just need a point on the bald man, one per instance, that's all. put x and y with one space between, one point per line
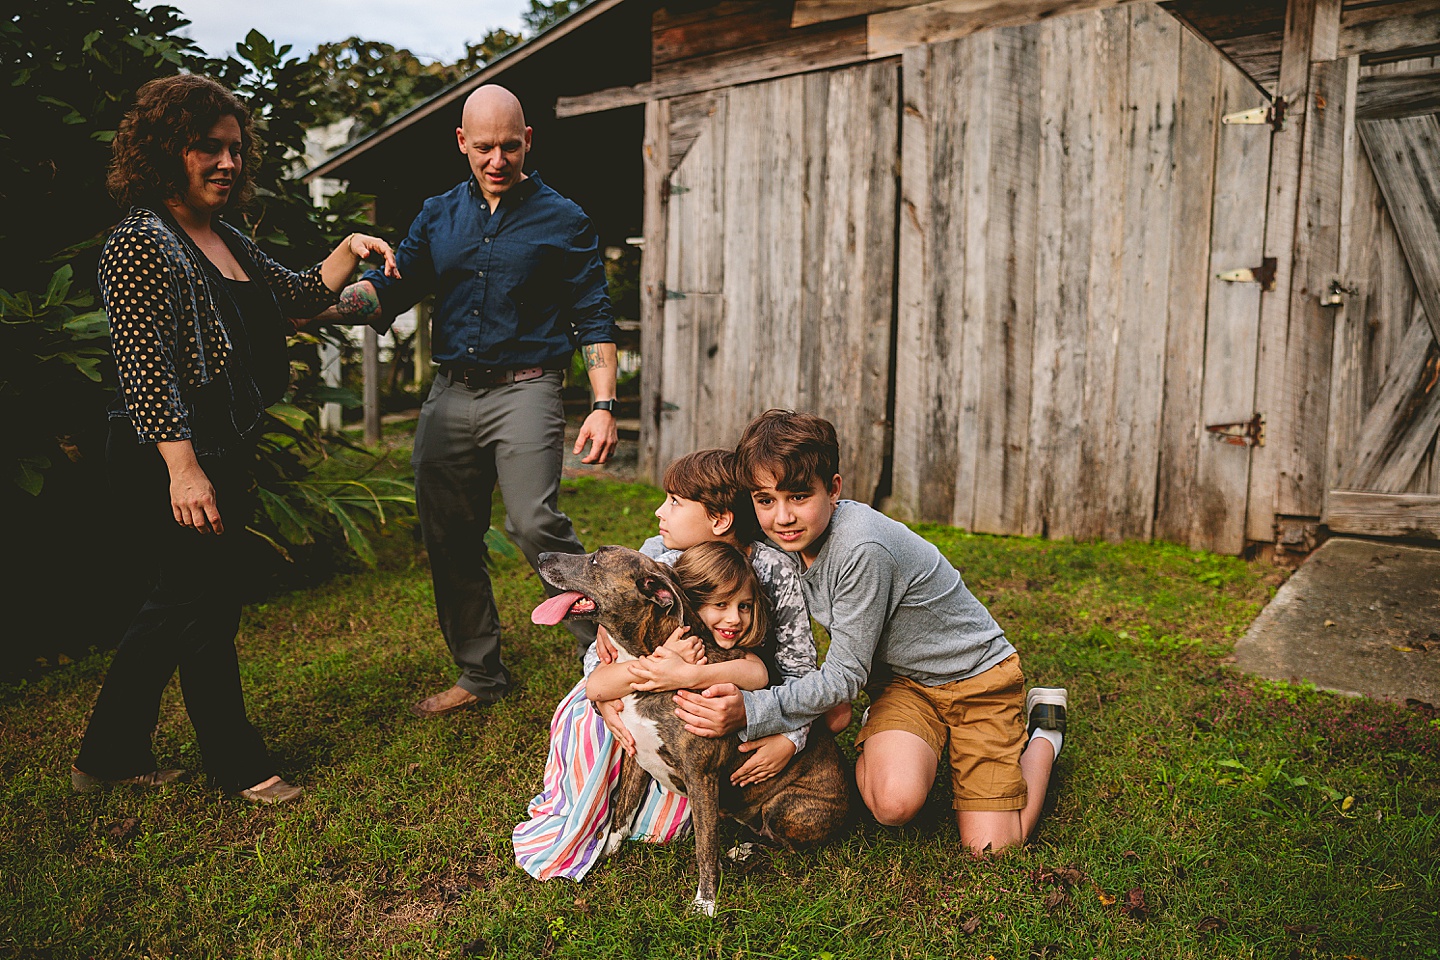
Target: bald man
518 283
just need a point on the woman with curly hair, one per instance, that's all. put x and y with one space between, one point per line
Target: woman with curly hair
198 317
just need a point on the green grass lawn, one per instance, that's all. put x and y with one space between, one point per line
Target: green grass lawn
1194 813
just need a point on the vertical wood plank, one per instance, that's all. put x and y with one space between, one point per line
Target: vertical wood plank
1140 360
695 272
1237 238
1181 427
939 100
656 150
915 395
971 267
1062 266
1300 450
849 322
1110 121
1275 383
1008 321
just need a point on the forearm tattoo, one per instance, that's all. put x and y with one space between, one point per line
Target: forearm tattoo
359 301
594 356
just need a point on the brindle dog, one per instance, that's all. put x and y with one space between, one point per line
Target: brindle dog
639 603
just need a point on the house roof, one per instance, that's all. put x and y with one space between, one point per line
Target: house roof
337 164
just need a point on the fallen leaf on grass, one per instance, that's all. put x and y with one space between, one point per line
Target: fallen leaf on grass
1065 876
1301 929
1329 623
475 948
583 907
1211 925
125 829
1131 854
1105 898
1044 951
1134 905
1055 898
970 924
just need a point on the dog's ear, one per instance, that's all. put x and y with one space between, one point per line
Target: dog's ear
659 591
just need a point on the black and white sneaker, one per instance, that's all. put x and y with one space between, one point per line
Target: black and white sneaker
1045 709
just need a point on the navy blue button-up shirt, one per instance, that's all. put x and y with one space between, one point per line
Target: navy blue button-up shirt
520 287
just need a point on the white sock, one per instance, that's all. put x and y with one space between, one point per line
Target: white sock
1054 736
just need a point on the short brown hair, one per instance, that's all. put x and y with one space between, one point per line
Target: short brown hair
796 449
171 114
708 477
713 571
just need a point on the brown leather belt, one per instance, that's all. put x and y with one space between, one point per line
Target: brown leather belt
477 377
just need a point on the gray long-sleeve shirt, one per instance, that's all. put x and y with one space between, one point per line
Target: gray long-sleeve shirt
886 595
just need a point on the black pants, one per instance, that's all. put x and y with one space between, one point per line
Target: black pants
188 621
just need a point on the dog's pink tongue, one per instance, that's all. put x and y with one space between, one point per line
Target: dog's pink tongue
552 611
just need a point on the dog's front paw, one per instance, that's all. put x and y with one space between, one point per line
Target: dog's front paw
702 907
612 842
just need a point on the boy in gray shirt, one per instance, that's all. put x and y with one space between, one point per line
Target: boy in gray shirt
896 610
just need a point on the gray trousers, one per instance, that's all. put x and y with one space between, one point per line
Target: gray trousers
467 441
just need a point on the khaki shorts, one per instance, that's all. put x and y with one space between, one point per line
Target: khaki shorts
979 717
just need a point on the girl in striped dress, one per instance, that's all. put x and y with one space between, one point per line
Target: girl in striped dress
565 833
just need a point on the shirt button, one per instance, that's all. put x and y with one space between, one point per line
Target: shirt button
472 350
487 239
475 313
480 273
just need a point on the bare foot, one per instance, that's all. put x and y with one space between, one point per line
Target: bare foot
266 783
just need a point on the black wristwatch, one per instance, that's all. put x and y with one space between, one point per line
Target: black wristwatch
607 405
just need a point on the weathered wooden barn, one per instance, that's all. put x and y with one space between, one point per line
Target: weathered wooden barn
1089 269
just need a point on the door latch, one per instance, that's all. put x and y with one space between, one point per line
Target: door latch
1336 295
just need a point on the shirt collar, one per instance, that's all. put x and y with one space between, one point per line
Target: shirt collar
519 193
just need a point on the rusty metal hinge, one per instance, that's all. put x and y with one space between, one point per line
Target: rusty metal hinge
1246 433
1271 113
1263 274
668 190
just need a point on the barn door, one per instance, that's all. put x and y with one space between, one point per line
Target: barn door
1385 479
779 261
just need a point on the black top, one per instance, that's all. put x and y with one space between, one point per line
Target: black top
257 334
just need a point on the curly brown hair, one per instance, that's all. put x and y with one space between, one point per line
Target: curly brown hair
147 164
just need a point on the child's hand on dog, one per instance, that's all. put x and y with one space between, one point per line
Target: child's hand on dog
609 711
690 648
604 646
665 669
768 756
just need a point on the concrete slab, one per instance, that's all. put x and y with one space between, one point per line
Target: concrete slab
1358 617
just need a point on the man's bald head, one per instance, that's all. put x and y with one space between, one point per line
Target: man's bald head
494 138
492 103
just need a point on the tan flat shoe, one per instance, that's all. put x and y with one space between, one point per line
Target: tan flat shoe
277 792
82 782
456 698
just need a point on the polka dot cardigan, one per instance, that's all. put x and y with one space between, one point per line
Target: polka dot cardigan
165 323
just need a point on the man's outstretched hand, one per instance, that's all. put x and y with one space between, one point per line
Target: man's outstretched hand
714 712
